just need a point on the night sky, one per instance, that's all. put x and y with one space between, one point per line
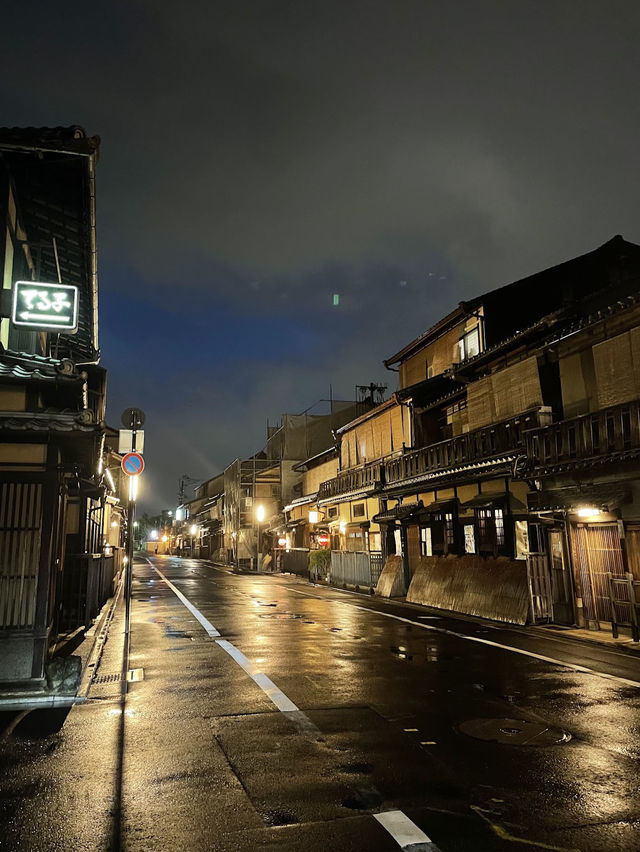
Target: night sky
259 157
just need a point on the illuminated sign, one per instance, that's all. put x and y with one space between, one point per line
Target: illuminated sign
52 307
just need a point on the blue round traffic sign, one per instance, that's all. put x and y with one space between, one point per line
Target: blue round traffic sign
132 464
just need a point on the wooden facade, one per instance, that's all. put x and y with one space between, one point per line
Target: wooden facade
60 525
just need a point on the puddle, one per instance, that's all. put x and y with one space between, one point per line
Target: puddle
356 768
177 634
280 817
280 615
363 800
431 655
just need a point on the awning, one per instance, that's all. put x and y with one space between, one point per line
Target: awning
605 497
301 501
397 513
485 501
348 495
441 505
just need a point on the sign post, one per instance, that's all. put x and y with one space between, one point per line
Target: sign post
132 465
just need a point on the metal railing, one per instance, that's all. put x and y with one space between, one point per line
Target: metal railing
292 561
88 580
480 444
366 478
611 430
355 568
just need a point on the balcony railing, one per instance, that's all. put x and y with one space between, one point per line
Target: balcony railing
366 478
482 444
609 431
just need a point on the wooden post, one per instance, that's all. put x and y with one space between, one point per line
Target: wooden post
614 622
635 633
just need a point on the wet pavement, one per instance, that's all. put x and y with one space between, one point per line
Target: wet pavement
261 712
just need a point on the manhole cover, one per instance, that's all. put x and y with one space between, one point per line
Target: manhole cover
514 732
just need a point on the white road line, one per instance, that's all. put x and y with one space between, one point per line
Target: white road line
275 695
266 684
405 832
553 660
196 614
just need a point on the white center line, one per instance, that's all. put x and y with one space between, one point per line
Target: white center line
405 832
273 693
196 614
266 685
553 660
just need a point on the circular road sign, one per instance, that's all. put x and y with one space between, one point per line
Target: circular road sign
132 418
132 464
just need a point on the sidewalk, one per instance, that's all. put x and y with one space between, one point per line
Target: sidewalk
598 637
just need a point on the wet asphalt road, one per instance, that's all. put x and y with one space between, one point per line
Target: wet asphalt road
288 716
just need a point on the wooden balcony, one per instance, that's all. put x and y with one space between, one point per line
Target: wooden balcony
480 445
360 479
613 431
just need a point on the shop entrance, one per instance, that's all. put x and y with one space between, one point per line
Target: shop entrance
597 552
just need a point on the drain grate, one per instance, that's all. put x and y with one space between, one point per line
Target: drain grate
116 677
109 678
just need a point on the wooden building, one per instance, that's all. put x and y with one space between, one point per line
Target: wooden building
477 502
56 545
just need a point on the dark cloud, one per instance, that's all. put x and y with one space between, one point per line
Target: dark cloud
259 157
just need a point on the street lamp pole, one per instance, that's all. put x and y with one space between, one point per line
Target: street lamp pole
260 518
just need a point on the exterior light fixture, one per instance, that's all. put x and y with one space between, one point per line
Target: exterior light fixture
343 526
114 524
154 535
260 513
314 517
587 512
194 529
136 523
164 538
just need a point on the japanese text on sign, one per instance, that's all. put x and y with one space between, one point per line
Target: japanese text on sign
47 306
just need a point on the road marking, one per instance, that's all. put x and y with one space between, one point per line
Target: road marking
266 685
196 613
405 832
553 660
275 695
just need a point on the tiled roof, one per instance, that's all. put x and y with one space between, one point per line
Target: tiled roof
35 368
46 422
401 485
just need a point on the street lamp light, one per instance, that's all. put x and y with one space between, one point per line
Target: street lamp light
260 513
